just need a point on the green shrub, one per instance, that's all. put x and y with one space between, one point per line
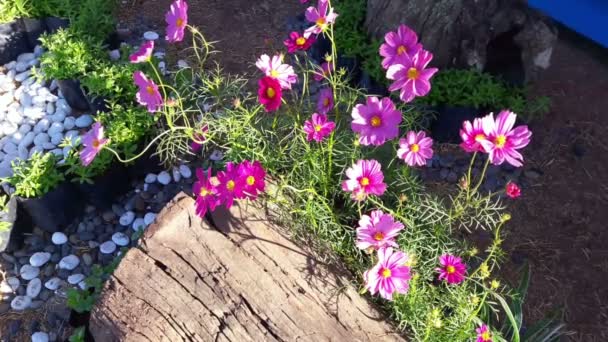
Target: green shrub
36 176
68 55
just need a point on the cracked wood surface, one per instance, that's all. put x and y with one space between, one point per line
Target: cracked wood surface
238 280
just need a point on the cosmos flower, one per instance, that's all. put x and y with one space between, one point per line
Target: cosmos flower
177 20
252 177
512 190
148 94
397 44
503 140
326 69
270 93
472 135
415 148
274 67
390 275
230 185
322 17
205 192
297 42
452 269
377 230
483 334
197 145
364 178
144 53
326 101
93 142
317 128
411 76
376 121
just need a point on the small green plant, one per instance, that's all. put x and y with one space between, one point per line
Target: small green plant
83 300
126 126
68 54
36 176
77 335
109 80
78 172
12 9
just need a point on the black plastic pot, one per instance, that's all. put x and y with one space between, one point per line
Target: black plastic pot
73 94
148 163
54 23
446 126
20 224
56 209
106 188
34 29
13 41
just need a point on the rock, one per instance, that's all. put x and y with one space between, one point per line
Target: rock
86 236
114 55
185 171
69 122
126 218
4 307
107 247
34 113
84 121
24 129
216 155
177 176
452 177
182 64
56 128
120 239
40 337
10 148
150 178
164 178
149 218
83 285
150 35
29 272
59 238
139 224
20 303
87 259
42 125
50 108
10 285
40 258
25 57
75 278
41 139
69 262
33 288
53 283
22 73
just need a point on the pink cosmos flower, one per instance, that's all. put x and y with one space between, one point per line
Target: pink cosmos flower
377 230
411 76
452 269
472 135
177 20
148 94
197 145
93 142
252 177
390 275
512 190
205 192
274 67
364 178
326 101
297 42
230 185
270 93
318 127
326 69
397 44
415 148
321 18
504 140
483 334
376 121
144 53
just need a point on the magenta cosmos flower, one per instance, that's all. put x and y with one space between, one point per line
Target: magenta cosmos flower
144 53
503 140
397 44
415 149
512 190
297 42
230 185
326 101
205 192
411 76
376 121
93 142
322 17
389 275
148 94
197 144
270 93
177 20
452 269
274 67
472 136
364 178
483 334
326 69
252 177
318 127
377 230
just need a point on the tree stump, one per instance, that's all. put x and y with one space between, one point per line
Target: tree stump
500 36
240 279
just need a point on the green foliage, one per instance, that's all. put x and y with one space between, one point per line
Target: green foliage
68 54
126 126
77 335
80 300
84 300
112 81
84 174
36 176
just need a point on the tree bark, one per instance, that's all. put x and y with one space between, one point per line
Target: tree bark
239 280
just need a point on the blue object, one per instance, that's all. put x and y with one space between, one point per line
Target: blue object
587 17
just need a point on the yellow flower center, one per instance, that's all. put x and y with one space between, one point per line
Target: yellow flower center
376 121
413 74
230 185
326 102
480 137
274 73
270 93
501 140
150 90
320 22
300 41
95 143
401 50
486 336
179 22
386 273
415 148
364 181
250 180
204 192
317 128
450 269
378 236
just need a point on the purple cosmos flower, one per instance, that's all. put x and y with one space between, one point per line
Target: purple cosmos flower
148 94
376 122
483 334
452 269
144 53
205 192
390 275
318 127
321 18
377 230
197 145
177 20
397 44
326 69
415 148
326 101
274 68
472 135
411 76
252 177
93 142
230 185
504 140
364 178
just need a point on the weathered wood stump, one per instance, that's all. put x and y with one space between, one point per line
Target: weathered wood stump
239 280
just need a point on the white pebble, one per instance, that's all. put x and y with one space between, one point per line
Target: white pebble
29 272
39 258
53 283
149 218
50 108
10 148
75 278
40 336
84 121
48 146
83 285
107 247
150 178
216 155
40 139
38 50
42 125
69 122
59 238
126 218
182 64
120 239
21 303
176 175
164 178
9 285
114 55
22 74
69 262
33 288
25 128
185 171
25 57
56 138
139 224
150 35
